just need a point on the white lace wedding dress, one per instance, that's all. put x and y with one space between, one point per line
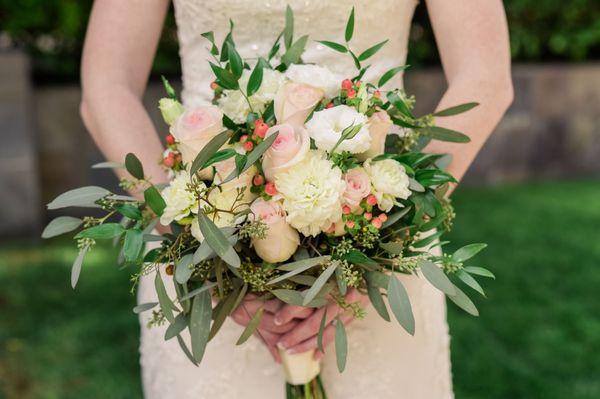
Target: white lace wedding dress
384 361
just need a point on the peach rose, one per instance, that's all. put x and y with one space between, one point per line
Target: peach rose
295 101
289 148
379 127
281 240
195 128
358 186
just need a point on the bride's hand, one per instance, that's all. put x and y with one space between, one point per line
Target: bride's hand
305 335
268 331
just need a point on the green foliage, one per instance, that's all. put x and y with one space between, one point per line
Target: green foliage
540 30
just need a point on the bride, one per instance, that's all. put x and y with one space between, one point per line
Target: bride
385 362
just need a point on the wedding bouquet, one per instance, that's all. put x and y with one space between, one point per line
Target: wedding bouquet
283 188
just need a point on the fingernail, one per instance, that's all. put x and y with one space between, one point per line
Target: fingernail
281 345
277 321
292 351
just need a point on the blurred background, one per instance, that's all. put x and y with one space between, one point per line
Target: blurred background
533 194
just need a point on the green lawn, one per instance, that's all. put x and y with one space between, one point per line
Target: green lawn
538 335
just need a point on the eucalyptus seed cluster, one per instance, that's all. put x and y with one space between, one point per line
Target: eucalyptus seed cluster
366 237
257 276
127 184
342 248
448 210
202 270
407 264
449 265
357 311
351 275
85 243
157 319
256 229
90 221
106 203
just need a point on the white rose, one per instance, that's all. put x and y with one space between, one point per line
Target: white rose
179 200
316 76
388 180
234 104
326 127
312 193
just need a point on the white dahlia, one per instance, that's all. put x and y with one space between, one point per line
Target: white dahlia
388 180
312 193
316 76
234 105
326 126
179 200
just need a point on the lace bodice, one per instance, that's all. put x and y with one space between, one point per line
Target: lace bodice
257 24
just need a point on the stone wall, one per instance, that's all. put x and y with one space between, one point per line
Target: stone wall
20 209
551 131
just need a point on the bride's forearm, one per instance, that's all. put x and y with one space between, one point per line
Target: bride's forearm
494 95
118 123
115 66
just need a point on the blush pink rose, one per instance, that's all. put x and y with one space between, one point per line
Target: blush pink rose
195 128
289 148
295 101
358 186
281 240
379 127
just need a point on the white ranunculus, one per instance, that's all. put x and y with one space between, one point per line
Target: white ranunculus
234 105
312 193
326 126
316 76
179 200
388 180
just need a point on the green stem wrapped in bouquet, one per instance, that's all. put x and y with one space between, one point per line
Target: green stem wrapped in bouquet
295 184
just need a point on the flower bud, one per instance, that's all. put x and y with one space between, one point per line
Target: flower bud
170 109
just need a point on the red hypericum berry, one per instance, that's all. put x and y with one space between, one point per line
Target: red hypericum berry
169 161
248 146
351 93
170 139
371 200
258 180
243 138
214 85
358 83
169 270
329 105
376 222
261 129
346 210
376 94
346 84
368 215
382 217
350 223
270 188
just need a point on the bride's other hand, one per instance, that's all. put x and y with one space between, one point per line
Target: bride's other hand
305 335
268 331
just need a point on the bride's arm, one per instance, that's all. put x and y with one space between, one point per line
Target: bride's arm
121 40
472 37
